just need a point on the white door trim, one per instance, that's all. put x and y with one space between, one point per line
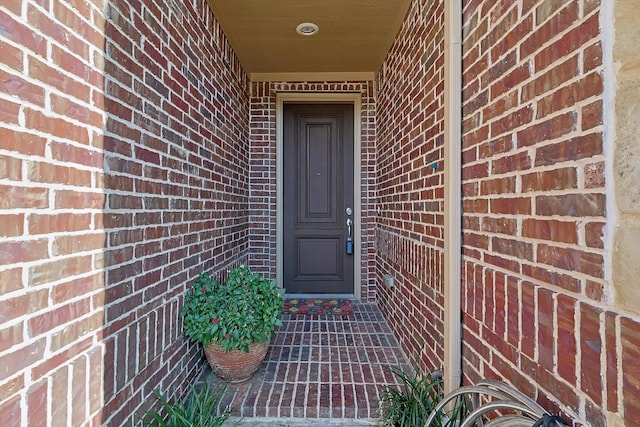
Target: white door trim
323 98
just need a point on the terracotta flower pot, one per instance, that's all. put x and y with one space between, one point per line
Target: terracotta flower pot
235 366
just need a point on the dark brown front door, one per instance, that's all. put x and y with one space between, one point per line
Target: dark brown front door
317 190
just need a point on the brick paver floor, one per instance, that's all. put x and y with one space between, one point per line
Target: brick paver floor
322 367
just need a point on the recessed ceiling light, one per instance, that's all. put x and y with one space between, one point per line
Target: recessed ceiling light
307 29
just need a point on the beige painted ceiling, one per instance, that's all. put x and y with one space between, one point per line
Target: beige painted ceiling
354 36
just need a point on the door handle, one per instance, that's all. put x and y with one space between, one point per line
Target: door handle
349 242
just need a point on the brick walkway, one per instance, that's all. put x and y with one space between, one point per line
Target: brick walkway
322 367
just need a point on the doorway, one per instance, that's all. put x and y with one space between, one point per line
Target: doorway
318 198
351 286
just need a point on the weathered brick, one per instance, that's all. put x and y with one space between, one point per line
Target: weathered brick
22 35
592 115
12 386
511 206
10 336
10 410
23 303
565 97
9 111
612 362
512 121
15 197
12 225
70 108
512 247
53 29
78 400
557 179
572 205
527 310
74 331
594 234
557 231
575 149
22 142
498 186
56 126
59 269
592 57
37 403
82 156
595 290
546 344
550 129
549 8
60 390
14 6
499 225
553 386
77 286
510 80
95 369
70 63
20 358
554 277
70 244
41 323
560 21
10 168
10 280
591 347
79 199
630 365
594 175
58 223
566 344
577 36
516 162
572 260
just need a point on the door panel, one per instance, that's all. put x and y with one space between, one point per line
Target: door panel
320 188
317 189
319 258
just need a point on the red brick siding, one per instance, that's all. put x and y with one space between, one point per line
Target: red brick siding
409 233
263 185
535 208
536 300
123 174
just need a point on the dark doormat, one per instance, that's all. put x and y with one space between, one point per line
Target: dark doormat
317 306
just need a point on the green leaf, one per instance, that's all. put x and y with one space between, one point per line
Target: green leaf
246 302
200 409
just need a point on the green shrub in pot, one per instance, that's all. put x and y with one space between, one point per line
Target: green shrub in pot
243 309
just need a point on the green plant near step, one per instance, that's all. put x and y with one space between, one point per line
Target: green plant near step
412 403
243 309
200 409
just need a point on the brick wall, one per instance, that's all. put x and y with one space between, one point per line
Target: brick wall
51 197
409 232
535 291
537 299
262 239
123 159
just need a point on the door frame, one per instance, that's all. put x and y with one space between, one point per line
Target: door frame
354 98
